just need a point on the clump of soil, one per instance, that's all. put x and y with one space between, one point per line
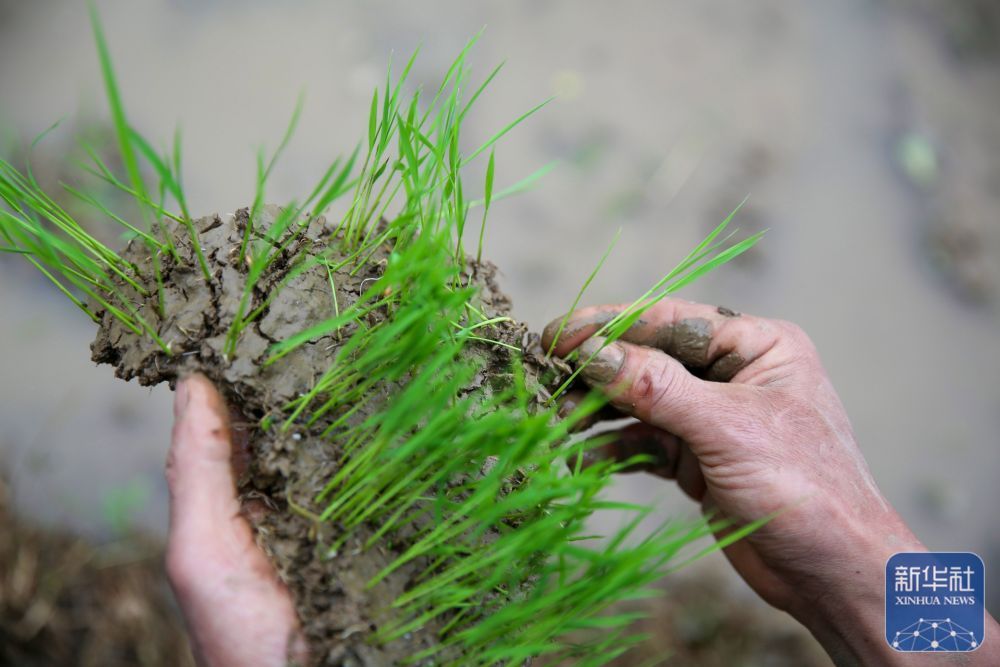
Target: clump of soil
285 472
64 601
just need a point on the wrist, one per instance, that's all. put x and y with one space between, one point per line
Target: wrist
844 605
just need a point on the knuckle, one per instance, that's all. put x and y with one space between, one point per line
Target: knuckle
655 381
587 312
790 328
794 332
797 338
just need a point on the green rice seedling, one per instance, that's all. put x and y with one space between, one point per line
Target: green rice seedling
579 295
427 490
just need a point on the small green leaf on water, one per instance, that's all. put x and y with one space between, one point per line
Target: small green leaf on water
122 503
918 158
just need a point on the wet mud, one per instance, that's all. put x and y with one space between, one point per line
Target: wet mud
284 473
688 340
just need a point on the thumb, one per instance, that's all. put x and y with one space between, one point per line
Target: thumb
653 387
199 472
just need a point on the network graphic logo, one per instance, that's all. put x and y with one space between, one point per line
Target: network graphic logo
929 634
934 602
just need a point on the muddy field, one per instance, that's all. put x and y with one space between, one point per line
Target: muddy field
864 132
65 601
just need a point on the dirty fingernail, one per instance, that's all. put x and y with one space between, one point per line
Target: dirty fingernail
605 364
567 404
549 332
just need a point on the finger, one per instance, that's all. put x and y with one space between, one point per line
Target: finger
572 399
689 476
199 471
744 558
661 450
666 456
237 610
655 388
715 341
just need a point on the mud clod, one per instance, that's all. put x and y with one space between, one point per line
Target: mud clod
687 341
727 312
284 472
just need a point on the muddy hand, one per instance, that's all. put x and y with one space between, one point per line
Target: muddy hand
739 410
237 611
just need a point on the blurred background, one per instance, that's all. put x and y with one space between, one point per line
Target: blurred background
866 134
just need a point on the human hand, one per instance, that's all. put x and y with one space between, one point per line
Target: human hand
237 611
761 433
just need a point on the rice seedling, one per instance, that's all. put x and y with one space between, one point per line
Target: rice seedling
432 507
